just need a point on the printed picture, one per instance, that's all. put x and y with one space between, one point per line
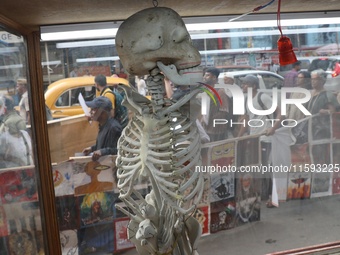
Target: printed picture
202 215
299 185
93 176
69 242
222 215
67 212
121 236
223 154
63 178
18 186
96 208
321 184
222 186
248 198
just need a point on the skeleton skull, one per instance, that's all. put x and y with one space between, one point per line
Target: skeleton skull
156 35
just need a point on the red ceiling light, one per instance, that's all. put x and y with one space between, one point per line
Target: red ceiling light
284 45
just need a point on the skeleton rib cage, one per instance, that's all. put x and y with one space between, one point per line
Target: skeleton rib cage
160 144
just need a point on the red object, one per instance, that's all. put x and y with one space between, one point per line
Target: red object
286 53
336 71
284 45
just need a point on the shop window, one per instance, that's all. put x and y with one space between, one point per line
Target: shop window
63 100
21 229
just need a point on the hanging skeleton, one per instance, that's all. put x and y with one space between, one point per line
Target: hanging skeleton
161 143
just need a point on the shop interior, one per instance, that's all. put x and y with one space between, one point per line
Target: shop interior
47 206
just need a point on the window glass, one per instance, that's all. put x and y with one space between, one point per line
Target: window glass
21 223
63 100
279 182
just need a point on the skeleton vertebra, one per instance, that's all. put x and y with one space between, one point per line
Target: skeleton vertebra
161 143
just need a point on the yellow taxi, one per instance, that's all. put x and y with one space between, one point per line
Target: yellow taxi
61 97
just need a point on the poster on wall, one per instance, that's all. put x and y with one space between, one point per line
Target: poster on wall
222 154
222 186
67 212
96 208
18 186
93 176
202 215
299 185
121 237
222 215
63 178
321 184
69 242
248 198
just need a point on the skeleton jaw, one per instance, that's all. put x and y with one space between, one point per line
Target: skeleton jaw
189 76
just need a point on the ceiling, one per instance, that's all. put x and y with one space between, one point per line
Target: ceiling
32 13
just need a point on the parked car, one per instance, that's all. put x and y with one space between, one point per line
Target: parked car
268 80
232 68
332 66
61 97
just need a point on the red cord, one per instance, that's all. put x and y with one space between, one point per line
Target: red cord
279 17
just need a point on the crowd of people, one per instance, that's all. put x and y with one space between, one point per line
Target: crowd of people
15 141
322 102
112 117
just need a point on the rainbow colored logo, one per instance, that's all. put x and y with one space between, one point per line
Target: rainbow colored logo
211 95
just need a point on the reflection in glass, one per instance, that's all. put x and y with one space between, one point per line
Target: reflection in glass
20 219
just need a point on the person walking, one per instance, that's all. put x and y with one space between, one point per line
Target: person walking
23 104
119 112
216 111
16 145
11 120
109 129
291 76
